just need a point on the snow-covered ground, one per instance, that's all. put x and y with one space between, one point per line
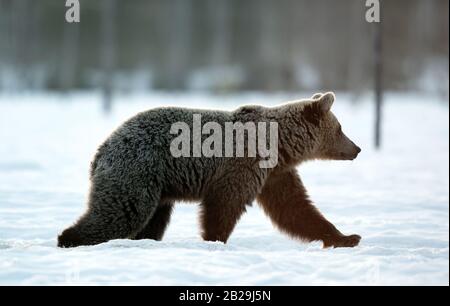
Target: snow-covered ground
396 199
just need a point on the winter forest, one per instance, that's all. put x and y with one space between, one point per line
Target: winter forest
223 45
65 87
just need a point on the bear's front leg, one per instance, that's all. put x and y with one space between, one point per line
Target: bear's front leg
219 217
225 202
285 201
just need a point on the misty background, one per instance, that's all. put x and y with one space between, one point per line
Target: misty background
64 87
222 46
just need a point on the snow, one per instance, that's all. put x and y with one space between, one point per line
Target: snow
396 199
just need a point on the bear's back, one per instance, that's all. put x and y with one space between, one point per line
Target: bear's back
140 148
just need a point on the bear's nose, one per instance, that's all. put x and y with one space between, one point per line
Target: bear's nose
358 149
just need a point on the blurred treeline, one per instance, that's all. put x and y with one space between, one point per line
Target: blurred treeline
222 45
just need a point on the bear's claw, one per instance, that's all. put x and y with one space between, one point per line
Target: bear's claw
344 242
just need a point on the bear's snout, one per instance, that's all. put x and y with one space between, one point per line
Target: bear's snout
356 152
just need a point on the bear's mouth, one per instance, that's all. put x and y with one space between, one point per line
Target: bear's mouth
346 156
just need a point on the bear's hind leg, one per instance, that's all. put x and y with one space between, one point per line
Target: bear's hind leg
158 223
113 213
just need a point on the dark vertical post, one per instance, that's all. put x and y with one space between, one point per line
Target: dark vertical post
20 39
378 81
107 49
179 44
69 56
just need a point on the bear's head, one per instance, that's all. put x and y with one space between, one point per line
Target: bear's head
329 140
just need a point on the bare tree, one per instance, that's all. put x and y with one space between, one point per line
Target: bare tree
378 39
220 13
70 43
19 40
108 50
177 24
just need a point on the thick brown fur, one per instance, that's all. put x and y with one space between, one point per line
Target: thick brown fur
159 222
307 130
135 179
285 201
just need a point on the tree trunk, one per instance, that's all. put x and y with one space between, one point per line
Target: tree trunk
108 50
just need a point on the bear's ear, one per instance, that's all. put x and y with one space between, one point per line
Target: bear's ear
317 95
325 102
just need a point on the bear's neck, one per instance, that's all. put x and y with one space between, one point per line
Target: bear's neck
296 135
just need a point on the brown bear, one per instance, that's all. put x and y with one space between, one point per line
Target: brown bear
139 172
